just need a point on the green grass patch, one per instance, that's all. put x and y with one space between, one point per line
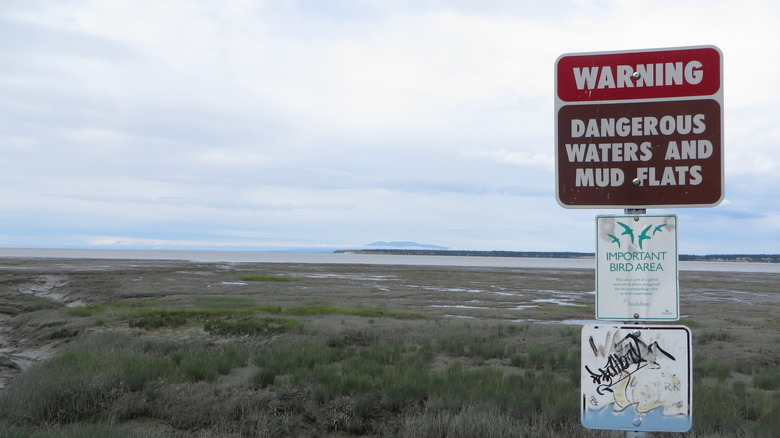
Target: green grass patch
25 303
222 302
719 335
224 320
352 383
401 375
250 326
690 323
372 312
124 306
768 379
80 383
156 319
735 411
720 370
222 314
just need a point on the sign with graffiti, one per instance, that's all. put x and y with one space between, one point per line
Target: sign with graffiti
636 378
636 268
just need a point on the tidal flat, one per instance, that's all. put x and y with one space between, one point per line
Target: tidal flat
93 347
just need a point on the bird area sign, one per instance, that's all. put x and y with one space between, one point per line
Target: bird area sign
636 378
636 268
639 129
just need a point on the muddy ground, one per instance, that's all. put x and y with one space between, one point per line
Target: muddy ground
744 305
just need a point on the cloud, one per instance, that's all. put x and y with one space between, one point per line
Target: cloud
521 158
187 123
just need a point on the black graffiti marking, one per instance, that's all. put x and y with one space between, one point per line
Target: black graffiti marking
630 351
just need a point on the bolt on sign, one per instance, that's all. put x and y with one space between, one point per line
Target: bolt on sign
636 268
636 378
640 128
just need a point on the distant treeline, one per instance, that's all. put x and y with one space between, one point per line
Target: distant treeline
449 252
764 258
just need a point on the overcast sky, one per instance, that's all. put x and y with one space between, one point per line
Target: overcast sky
309 124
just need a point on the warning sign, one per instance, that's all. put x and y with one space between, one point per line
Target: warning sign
631 132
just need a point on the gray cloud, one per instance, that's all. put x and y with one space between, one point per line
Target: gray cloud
338 123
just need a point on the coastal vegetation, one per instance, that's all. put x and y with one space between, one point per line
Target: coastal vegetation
357 352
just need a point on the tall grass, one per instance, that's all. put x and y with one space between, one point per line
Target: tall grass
435 380
83 382
719 335
400 375
223 315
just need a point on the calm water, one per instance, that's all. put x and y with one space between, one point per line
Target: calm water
371 259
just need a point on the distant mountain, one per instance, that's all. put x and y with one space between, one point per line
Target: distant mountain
405 245
393 248
450 252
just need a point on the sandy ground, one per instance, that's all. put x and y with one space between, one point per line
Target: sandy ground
33 293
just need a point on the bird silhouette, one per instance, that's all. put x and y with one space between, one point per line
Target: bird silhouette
615 239
658 228
627 230
644 236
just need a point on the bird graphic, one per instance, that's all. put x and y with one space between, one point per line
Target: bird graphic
658 228
615 239
627 230
644 236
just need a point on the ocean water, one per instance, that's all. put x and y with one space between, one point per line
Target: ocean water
370 259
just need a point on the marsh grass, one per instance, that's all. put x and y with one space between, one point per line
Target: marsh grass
372 312
222 302
83 382
223 315
16 303
250 326
97 430
313 368
401 375
124 306
768 379
450 379
719 335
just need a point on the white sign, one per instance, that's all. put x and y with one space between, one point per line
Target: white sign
636 378
636 268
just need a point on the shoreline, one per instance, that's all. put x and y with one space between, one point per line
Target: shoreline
360 259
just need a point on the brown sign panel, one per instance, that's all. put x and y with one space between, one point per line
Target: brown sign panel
641 154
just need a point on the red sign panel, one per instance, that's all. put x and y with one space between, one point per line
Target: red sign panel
639 75
656 142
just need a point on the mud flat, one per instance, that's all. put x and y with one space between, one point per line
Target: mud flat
47 304
744 304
